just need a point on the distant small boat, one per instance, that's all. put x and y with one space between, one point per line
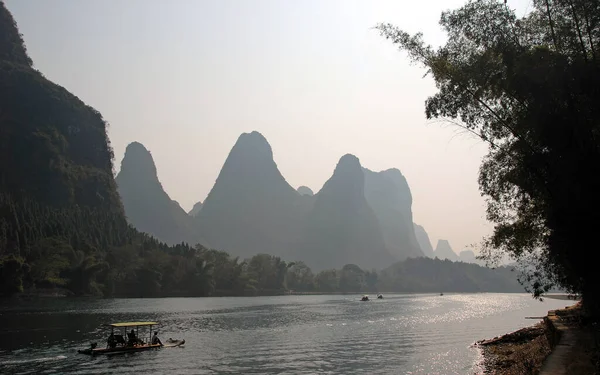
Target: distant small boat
379 296
365 298
116 344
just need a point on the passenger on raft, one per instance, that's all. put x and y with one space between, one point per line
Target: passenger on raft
156 340
133 340
111 342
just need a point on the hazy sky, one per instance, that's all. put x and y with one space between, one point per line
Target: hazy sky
187 77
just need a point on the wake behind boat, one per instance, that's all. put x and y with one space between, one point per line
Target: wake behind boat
171 343
117 344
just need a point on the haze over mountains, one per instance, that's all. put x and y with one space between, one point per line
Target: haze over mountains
443 250
423 240
196 209
66 219
149 208
388 193
359 216
251 208
305 190
468 256
341 226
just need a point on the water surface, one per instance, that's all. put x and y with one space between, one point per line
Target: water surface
401 334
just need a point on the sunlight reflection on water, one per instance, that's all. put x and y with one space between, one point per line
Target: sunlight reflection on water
401 334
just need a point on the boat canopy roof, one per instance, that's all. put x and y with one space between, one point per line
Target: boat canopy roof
133 324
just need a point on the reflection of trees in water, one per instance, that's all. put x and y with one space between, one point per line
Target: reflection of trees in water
39 330
340 334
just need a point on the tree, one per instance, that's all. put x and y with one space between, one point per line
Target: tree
327 281
83 272
371 279
12 47
49 258
352 278
528 87
300 277
12 270
267 272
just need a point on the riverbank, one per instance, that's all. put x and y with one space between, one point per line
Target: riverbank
533 350
62 293
58 292
519 352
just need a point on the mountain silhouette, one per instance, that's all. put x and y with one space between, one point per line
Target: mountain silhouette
389 196
12 47
196 209
341 227
305 190
64 216
444 251
424 242
251 208
147 206
359 216
54 149
468 256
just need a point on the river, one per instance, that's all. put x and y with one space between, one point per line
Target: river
401 334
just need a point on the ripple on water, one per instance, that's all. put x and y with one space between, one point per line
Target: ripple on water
416 334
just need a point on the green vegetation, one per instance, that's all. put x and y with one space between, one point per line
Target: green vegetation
84 251
529 88
12 48
62 225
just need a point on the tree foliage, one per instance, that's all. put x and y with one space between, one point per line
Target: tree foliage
12 47
62 224
529 87
90 252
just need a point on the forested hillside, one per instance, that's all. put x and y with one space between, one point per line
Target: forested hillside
63 229
61 220
58 200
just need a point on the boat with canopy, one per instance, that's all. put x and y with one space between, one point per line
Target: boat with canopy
121 341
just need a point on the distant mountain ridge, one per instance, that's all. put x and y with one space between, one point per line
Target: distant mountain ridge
387 192
468 256
359 216
63 224
305 190
147 206
342 228
196 209
443 250
423 240
251 208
